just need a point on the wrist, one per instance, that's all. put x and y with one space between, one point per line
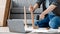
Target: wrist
43 14
33 9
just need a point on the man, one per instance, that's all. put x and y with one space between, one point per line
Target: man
53 11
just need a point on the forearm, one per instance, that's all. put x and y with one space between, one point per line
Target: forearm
49 9
35 6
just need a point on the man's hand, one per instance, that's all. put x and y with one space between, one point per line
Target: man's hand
31 9
42 16
49 9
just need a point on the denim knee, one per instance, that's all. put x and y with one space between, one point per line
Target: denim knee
53 25
54 22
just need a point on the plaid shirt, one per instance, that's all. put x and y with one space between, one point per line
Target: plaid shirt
52 2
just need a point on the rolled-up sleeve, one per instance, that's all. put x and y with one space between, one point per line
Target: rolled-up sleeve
39 2
56 11
56 3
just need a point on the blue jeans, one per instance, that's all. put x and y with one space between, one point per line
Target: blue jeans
50 21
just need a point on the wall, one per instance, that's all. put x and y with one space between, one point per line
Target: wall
17 11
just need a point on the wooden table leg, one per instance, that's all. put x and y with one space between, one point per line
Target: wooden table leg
32 17
25 19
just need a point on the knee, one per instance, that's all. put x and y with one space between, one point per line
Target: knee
53 24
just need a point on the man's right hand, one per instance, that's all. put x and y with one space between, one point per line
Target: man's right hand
31 8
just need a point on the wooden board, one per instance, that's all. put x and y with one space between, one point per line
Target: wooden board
25 19
4 10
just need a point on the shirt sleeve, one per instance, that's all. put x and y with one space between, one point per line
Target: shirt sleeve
56 3
39 2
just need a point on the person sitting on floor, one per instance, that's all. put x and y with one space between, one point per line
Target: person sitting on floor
53 10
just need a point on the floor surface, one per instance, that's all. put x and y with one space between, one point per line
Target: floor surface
6 29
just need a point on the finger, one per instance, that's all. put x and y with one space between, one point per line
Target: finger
41 18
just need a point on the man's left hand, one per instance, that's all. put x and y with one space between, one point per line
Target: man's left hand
42 16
